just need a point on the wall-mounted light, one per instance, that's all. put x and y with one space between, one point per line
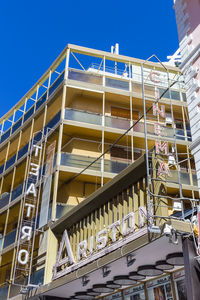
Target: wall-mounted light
85 280
106 271
130 260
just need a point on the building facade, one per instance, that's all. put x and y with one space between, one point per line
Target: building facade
91 116
188 24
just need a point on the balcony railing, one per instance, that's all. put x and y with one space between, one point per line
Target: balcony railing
3 292
121 123
81 161
23 151
9 238
122 83
184 178
32 110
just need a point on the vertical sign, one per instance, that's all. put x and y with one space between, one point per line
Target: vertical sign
47 185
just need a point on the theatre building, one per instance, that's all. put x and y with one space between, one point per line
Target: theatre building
98 186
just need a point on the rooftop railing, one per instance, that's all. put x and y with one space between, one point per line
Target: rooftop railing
123 83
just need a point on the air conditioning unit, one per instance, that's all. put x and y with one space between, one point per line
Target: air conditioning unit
171 160
168 119
177 206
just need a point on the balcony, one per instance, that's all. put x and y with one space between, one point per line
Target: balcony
124 124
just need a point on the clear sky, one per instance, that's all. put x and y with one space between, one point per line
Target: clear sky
33 33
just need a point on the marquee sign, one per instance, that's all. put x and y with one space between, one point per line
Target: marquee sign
105 241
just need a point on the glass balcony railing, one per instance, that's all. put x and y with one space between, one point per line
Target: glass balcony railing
75 115
122 123
3 292
121 82
33 109
17 192
23 151
37 277
119 123
184 178
81 161
61 209
85 77
9 238
4 200
194 179
117 84
1 242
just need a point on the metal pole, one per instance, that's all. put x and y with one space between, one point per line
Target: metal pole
146 143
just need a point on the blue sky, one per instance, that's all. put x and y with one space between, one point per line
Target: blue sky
33 33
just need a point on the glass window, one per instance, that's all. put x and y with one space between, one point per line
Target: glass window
160 289
180 285
184 97
175 95
164 93
181 290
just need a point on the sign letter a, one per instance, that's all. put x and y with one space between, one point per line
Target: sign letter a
70 257
31 190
